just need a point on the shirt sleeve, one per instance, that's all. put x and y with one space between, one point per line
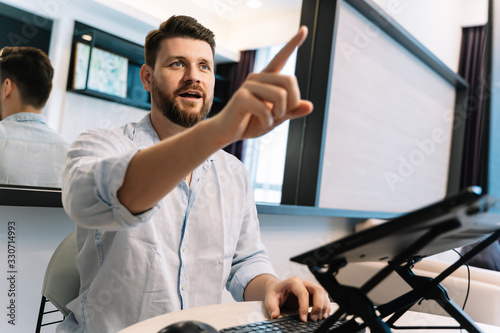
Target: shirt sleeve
93 173
250 259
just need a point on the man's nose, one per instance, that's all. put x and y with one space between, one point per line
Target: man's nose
192 76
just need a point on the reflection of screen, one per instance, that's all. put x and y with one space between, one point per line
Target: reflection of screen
107 74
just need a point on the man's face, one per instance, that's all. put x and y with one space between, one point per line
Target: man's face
182 85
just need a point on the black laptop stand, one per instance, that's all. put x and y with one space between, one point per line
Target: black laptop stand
354 301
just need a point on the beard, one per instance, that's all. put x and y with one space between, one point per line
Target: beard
171 109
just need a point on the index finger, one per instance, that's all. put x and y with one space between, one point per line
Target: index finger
281 58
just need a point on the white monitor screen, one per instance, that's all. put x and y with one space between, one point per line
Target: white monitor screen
389 127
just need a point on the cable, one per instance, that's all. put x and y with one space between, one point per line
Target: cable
468 282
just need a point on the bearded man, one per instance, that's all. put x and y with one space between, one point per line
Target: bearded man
165 219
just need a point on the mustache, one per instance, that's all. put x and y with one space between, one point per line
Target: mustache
191 87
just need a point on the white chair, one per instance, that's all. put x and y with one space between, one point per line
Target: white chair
61 283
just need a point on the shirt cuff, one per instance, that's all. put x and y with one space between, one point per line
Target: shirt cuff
246 274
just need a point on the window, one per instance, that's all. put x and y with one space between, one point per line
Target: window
264 157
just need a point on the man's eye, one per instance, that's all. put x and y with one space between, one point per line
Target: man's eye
176 64
205 67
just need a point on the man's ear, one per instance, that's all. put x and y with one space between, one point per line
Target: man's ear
146 77
6 88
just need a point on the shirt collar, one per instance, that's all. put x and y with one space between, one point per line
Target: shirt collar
25 117
145 127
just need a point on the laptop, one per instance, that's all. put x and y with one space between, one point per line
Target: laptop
467 217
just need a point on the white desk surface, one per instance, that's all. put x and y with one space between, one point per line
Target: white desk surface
233 314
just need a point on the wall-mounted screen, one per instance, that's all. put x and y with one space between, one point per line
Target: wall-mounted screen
108 72
107 67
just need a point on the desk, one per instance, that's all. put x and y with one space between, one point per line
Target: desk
233 314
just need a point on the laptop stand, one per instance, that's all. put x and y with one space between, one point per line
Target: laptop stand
353 301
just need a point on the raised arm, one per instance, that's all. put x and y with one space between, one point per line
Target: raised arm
263 102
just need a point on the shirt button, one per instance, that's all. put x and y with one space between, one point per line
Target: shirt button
183 287
183 249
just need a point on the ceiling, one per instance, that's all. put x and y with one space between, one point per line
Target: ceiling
238 9
227 10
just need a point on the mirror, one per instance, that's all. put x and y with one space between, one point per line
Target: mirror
236 25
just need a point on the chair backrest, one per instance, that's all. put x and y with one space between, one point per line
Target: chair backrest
61 283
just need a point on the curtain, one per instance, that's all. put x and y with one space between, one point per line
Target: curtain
245 66
472 67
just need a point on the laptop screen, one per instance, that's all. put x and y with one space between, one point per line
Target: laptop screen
459 220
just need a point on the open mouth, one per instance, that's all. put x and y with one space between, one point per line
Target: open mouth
191 94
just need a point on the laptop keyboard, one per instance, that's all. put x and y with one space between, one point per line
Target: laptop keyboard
284 325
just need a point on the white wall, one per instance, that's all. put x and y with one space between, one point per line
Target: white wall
474 12
38 231
437 23
82 112
252 33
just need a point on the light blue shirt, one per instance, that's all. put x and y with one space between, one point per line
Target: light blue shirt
179 254
31 153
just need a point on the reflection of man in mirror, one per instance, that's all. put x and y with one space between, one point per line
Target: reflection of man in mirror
31 153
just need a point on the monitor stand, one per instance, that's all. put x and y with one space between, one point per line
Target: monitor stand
353 301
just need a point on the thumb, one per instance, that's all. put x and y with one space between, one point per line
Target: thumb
272 307
303 109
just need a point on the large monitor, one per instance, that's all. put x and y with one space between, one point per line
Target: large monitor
386 135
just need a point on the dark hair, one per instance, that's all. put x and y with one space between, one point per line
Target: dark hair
30 69
176 26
